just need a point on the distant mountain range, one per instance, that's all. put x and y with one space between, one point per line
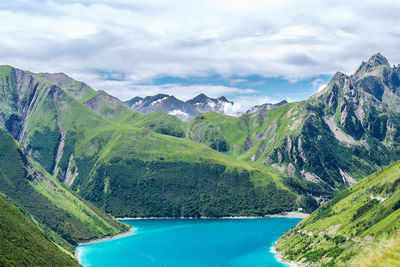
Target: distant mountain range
187 110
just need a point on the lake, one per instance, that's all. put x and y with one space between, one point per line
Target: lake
191 242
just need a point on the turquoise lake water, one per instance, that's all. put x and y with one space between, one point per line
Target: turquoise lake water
191 242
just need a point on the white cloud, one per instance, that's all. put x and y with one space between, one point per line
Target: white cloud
244 102
319 84
153 38
322 86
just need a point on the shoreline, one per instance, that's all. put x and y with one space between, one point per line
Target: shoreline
281 260
120 235
292 214
299 215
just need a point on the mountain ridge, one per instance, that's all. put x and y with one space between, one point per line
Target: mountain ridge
78 134
345 120
188 110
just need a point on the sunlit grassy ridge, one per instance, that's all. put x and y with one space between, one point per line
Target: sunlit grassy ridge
357 218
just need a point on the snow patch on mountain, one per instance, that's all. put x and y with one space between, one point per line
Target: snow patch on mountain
180 114
159 101
191 108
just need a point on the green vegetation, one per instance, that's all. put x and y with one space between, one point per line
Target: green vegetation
45 146
60 214
111 156
77 142
140 188
158 122
141 173
23 244
359 219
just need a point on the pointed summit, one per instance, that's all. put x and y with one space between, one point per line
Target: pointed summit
224 99
367 67
199 98
377 60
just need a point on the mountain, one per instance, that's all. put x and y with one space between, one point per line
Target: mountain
65 218
126 162
359 227
203 103
166 103
323 144
23 244
99 148
266 106
185 111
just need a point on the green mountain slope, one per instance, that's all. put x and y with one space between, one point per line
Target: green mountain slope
61 215
386 252
323 144
98 147
23 244
359 224
146 174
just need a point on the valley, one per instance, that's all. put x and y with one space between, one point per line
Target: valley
81 156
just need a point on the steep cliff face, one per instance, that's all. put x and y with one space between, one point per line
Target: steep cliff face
349 129
325 143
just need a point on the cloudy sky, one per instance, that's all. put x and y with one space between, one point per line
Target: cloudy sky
250 51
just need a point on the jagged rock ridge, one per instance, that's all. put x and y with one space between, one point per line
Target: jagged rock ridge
187 110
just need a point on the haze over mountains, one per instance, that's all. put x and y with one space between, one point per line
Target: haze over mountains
187 110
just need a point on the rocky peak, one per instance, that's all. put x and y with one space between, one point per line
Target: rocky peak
377 60
202 98
223 99
158 96
339 78
369 66
199 98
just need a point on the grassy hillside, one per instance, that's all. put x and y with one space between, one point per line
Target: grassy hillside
23 244
323 144
159 122
61 215
385 252
130 164
351 225
313 145
142 173
312 148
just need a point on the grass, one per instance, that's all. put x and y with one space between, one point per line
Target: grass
99 141
23 244
363 215
63 216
